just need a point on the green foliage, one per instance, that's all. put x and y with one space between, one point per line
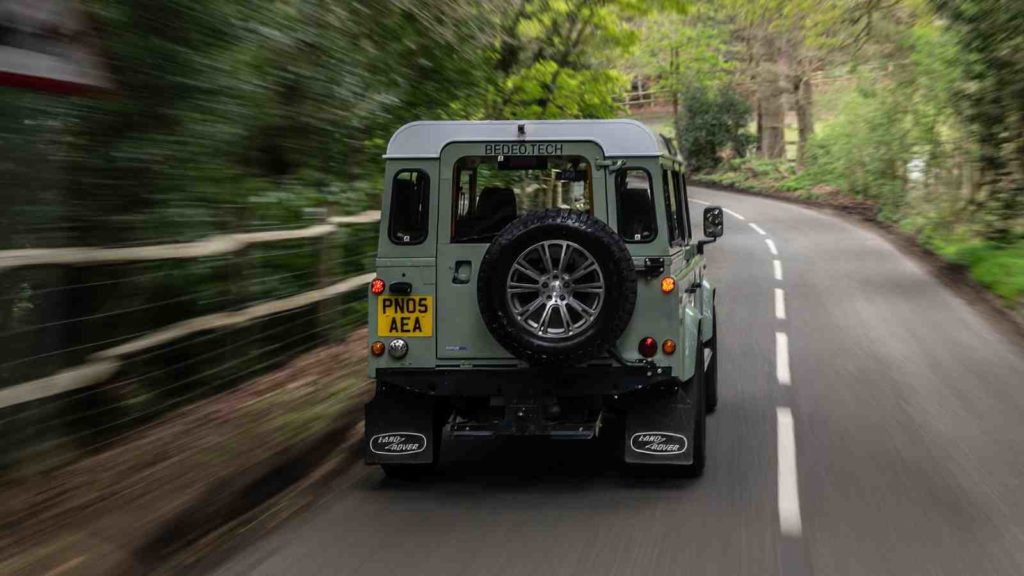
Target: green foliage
998 267
895 136
753 173
864 150
557 59
239 114
991 100
898 141
680 52
712 123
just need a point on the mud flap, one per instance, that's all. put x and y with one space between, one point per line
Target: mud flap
401 427
660 428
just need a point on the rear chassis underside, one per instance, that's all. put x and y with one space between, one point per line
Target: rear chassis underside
560 403
412 407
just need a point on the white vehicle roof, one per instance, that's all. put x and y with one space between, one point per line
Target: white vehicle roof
622 137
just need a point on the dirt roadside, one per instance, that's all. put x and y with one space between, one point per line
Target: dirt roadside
184 485
956 277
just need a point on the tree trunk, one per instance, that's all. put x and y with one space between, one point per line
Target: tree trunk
772 122
804 115
771 136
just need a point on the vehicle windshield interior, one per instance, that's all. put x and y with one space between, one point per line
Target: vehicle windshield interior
491 191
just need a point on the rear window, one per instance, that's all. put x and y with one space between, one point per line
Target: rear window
491 191
635 203
410 193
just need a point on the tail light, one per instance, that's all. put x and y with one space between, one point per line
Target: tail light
648 347
377 286
377 348
668 284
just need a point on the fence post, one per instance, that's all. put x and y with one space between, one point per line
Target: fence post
324 318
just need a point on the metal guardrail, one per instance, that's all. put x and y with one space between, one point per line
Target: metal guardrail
101 366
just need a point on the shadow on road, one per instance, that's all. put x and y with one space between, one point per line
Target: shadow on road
519 463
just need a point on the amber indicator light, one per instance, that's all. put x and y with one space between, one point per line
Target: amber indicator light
668 346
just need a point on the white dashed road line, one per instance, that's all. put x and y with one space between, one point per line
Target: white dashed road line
733 214
782 358
699 201
790 523
789 494
780 304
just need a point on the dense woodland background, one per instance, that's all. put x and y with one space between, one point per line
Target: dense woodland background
231 116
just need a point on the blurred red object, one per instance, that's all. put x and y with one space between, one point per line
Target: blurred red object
47 45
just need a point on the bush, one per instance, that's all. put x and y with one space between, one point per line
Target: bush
711 124
998 267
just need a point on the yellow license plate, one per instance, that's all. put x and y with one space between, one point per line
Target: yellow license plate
409 316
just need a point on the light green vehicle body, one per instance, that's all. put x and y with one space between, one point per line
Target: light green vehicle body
459 337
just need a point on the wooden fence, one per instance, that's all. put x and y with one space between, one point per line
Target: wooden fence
103 365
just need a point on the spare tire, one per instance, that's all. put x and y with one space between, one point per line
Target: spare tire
556 287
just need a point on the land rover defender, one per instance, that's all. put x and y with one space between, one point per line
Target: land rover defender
540 278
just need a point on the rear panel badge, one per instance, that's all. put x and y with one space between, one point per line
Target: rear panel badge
396 443
658 443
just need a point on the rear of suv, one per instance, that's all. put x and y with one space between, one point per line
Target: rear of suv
540 278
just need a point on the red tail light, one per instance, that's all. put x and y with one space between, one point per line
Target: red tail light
377 286
648 347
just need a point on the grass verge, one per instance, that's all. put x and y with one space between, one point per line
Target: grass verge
999 268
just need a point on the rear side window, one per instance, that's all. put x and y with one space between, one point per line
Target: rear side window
675 233
410 194
635 202
682 209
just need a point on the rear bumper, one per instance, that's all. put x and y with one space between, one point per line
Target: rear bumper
555 382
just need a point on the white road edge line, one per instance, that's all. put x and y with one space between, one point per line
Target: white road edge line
757 229
777 269
789 494
780 304
699 201
734 214
782 359
771 246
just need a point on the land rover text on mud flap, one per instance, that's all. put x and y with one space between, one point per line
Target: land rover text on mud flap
540 278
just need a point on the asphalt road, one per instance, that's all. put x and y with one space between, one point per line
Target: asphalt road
896 447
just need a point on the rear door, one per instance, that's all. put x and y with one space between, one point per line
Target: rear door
482 187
